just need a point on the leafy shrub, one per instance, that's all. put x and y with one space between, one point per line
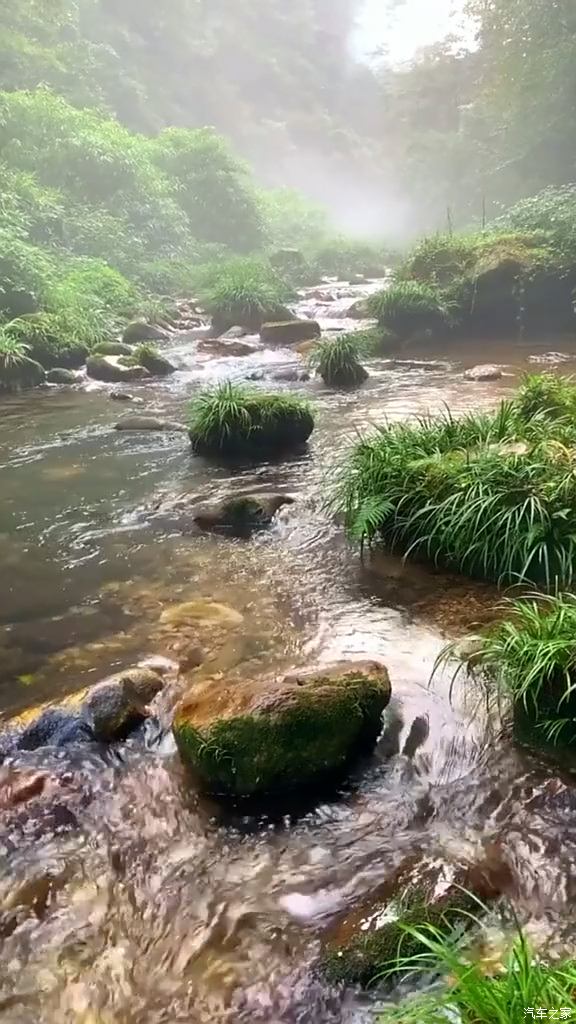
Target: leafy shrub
408 307
234 420
337 362
492 495
242 291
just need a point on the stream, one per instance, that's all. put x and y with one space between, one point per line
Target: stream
132 900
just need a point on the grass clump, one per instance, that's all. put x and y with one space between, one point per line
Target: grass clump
17 370
243 292
531 658
492 495
407 308
235 420
473 994
337 362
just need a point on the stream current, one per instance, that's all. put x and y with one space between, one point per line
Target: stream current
130 899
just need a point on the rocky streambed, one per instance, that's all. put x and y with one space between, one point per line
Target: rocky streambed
131 891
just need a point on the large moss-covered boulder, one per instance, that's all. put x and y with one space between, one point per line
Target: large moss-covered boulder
17 376
113 348
280 734
374 937
289 332
110 370
139 331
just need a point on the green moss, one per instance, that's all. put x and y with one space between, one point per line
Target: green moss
286 740
382 950
233 420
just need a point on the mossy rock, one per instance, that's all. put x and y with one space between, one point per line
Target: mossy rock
51 353
289 332
59 375
109 369
156 364
113 348
241 515
139 331
277 735
371 940
26 373
116 706
266 429
250 318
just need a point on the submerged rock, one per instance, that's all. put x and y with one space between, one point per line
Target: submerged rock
289 332
139 331
149 423
291 373
366 941
61 376
118 395
203 612
109 369
241 514
280 734
484 372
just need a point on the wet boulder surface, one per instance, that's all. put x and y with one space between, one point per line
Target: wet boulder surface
236 515
373 938
289 332
111 371
278 734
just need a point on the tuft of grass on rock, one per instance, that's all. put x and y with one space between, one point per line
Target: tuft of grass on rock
337 362
408 307
235 420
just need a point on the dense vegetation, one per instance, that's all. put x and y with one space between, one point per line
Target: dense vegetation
490 494
474 991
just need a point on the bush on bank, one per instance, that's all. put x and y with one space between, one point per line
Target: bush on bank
492 495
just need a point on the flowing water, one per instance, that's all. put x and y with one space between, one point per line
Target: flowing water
127 899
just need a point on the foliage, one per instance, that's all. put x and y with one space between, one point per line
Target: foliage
242 291
291 219
337 362
232 419
531 657
471 993
490 494
212 187
12 351
408 307
342 257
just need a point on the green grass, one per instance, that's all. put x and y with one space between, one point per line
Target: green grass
233 420
530 656
242 291
472 994
337 362
13 351
408 307
492 495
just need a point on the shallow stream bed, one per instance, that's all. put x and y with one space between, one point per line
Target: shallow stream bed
158 907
